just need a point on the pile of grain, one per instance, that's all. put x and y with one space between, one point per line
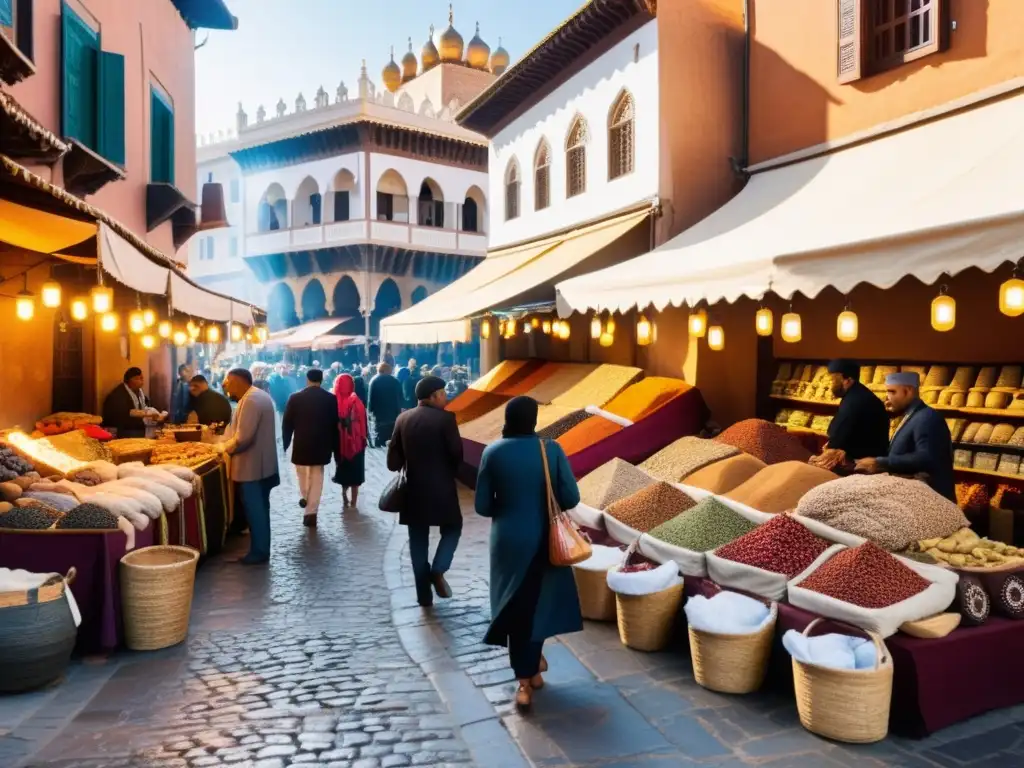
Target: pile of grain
610 482
558 428
650 507
563 377
865 576
709 525
590 432
645 397
485 429
768 442
26 518
526 378
891 511
781 545
779 487
598 387
684 457
722 476
495 377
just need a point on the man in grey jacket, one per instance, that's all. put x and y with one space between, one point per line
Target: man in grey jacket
251 442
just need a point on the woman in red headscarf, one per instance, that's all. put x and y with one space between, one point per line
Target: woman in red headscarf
351 464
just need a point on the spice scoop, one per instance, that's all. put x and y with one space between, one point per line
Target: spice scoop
933 627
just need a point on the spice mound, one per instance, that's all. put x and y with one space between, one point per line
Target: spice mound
866 576
779 487
709 525
685 456
768 442
724 475
613 480
650 507
781 545
88 516
26 519
563 425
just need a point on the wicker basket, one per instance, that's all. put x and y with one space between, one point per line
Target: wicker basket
156 595
845 705
597 601
37 634
646 621
732 663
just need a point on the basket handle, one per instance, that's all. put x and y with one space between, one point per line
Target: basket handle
71 574
880 655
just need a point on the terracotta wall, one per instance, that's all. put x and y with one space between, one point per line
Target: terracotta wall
26 358
796 101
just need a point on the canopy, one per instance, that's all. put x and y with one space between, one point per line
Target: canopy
130 266
934 199
333 341
189 298
501 278
304 336
36 230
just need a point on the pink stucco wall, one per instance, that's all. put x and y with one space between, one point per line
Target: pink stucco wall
157 45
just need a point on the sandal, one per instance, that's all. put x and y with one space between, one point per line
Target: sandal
537 682
524 696
543 664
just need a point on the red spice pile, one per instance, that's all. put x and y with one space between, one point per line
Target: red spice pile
866 576
768 442
781 545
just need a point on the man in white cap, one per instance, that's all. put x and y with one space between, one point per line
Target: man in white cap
920 445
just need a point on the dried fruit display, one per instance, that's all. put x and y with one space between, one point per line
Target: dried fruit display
865 576
965 549
781 545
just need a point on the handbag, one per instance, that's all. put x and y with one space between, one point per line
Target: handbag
566 545
393 497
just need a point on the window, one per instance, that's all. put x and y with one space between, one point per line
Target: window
234 246
209 178
210 254
315 207
876 35
620 137
341 203
385 206
161 132
469 215
16 25
236 191
576 159
512 191
542 177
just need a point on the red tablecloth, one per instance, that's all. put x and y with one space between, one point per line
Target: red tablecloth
97 589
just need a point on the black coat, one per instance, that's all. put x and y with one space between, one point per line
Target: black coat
116 408
426 443
922 447
385 398
861 425
311 415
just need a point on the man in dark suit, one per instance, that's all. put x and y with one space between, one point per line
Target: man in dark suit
126 407
385 403
921 445
311 416
210 407
860 428
426 444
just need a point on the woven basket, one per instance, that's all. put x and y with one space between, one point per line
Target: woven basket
646 621
732 663
37 634
597 601
156 595
845 705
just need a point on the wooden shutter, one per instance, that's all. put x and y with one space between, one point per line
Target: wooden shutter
79 74
161 119
111 108
25 28
849 64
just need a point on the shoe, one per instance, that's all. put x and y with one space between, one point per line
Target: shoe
309 521
441 587
524 696
253 560
302 503
543 664
537 682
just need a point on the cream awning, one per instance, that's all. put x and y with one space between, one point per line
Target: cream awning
303 336
934 199
130 266
36 230
499 279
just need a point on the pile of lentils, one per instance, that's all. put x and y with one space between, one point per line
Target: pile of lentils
88 516
650 507
709 525
768 442
781 545
28 518
866 576
563 425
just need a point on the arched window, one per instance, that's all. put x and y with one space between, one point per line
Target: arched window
621 133
576 159
542 177
512 190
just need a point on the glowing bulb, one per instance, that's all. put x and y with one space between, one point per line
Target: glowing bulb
148 318
546 327
792 330
164 329
109 322
25 306
716 337
847 325
510 329
595 328
643 331
180 338
764 322
698 323
50 294
102 299
563 332
606 339
148 341
79 309
610 326
261 334
485 329
535 322
136 322
213 334
527 327
943 312
237 332
1011 297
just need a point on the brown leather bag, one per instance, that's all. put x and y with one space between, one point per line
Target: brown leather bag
566 545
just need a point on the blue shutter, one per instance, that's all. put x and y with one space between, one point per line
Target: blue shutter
161 120
6 14
80 66
111 108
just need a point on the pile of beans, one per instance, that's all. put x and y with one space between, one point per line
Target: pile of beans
709 525
866 576
768 442
561 426
779 487
613 480
781 545
650 507
26 518
684 457
88 516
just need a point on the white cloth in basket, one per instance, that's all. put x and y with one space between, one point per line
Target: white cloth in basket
644 582
727 613
601 559
832 650
21 581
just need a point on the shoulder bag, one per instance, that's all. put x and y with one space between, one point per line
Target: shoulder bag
566 545
393 497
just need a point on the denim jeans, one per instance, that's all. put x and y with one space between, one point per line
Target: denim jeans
419 553
256 499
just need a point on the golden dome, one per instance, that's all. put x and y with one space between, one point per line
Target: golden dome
478 52
429 57
451 41
409 65
499 59
391 74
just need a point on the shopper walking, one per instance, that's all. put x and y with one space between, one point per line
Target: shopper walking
409 386
385 404
350 472
531 599
427 446
311 416
251 441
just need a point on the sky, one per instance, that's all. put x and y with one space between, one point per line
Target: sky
284 47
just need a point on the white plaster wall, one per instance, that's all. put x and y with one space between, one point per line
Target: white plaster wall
592 94
454 182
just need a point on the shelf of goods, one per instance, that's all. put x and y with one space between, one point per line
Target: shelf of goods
71 500
594 412
743 511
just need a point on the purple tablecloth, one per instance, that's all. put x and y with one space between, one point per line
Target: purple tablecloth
95 556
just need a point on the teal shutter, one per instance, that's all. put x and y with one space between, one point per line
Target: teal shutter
79 75
111 108
161 126
6 13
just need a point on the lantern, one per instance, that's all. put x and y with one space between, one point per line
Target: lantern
50 294
847 325
698 323
535 323
102 299
213 334
792 330
485 329
510 329
25 305
180 337
527 326
79 309
136 322
606 339
1011 297
595 328
109 322
546 327
148 318
943 311
237 332
148 341
193 330
643 331
716 338
164 329
262 334
764 322
563 332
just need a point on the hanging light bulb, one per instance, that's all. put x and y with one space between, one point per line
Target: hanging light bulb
545 327
563 332
535 322
698 323
102 299
164 329
109 322
25 303
50 294
485 329
237 332
527 327
764 322
1011 296
609 327
148 318
643 331
510 329
213 334
847 325
148 341
943 311
180 337
716 338
79 309
792 329
192 329
606 339
262 334
136 322
595 328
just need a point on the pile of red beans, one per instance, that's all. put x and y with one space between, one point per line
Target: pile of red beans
866 576
781 545
763 440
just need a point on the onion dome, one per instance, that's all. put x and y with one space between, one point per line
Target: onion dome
499 59
409 64
478 52
429 57
391 74
451 41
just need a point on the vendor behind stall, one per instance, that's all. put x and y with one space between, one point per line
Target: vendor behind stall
126 407
861 425
920 445
207 406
